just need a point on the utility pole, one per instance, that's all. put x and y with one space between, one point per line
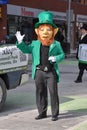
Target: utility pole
69 24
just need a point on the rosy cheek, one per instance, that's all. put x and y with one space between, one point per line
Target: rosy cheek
50 35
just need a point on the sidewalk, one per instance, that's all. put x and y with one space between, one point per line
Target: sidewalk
25 121
79 126
73 105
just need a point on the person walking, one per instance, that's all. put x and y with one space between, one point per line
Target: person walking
46 54
82 53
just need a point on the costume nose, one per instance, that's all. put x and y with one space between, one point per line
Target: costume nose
45 31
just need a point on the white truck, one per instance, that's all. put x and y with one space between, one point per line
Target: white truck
13 64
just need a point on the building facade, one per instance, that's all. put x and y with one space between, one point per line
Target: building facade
22 15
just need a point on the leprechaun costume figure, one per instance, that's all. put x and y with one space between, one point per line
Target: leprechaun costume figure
46 54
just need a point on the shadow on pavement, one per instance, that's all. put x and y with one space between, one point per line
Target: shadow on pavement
73 113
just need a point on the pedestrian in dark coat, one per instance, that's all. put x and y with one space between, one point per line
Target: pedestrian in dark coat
82 53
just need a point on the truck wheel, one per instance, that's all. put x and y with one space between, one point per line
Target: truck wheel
3 93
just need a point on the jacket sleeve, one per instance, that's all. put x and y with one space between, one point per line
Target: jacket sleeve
24 48
77 51
60 55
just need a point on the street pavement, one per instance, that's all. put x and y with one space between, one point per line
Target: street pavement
73 104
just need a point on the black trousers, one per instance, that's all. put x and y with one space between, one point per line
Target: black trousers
44 81
81 67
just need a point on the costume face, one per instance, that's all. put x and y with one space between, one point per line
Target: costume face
45 34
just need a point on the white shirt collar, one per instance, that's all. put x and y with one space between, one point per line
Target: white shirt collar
83 36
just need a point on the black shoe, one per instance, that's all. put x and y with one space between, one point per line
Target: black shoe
54 118
78 81
40 117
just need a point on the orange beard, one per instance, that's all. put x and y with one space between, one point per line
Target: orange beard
46 42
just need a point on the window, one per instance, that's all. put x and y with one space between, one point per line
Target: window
78 1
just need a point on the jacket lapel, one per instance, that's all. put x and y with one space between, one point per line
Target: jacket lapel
52 47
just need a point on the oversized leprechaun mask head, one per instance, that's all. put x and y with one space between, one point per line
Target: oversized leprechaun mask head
45 28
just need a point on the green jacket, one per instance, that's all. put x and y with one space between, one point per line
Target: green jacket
34 48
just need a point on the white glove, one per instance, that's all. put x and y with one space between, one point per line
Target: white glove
19 36
52 58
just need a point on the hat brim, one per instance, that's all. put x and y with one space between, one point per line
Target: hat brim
52 24
83 28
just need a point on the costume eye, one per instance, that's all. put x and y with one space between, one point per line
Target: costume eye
48 29
41 29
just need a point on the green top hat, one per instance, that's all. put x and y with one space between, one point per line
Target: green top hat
45 17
